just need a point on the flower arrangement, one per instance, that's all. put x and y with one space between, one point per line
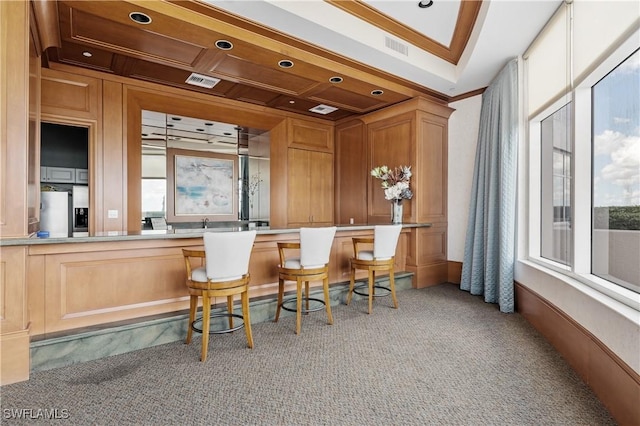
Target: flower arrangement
394 182
253 186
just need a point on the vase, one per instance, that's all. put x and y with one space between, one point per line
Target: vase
396 211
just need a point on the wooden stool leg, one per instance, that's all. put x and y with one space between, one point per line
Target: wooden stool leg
230 310
306 296
298 304
206 314
352 282
372 279
327 301
392 286
247 319
280 296
193 305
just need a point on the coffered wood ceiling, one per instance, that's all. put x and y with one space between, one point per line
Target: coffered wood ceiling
181 39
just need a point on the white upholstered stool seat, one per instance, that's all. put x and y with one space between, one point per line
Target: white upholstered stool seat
310 263
380 259
224 273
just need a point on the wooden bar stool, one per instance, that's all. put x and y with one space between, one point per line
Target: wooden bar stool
225 274
311 264
380 259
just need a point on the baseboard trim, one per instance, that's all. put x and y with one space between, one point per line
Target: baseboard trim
454 272
615 383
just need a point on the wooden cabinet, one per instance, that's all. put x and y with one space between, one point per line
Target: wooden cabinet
310 188
413 133
302 173
70 95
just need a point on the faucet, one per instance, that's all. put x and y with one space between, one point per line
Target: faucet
205 222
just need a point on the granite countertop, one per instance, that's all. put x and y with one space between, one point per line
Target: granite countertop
171 234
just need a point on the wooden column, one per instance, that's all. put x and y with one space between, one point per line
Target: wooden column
15 206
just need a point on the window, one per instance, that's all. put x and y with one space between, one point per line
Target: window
584 180
154 184
555 202
154 197
615 231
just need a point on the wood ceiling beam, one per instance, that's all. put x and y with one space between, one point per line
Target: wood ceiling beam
467 16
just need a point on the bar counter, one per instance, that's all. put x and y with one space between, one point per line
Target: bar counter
180 233
87 281
69 287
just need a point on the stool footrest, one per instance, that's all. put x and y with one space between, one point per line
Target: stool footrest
357 290
218 315
303 309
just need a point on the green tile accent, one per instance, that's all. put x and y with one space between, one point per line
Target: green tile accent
94 344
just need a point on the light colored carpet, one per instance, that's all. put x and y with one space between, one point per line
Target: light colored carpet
444 357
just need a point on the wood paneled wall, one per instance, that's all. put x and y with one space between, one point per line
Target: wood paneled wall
351 171
413 133
615 383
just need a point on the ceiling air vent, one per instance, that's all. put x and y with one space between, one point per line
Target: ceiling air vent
202 80
396 45
323 109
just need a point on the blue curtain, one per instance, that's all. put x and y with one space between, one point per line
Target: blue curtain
489 251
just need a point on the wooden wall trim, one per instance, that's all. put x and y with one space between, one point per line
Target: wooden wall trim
420 103
464 26
46 22
615 383
454 272
150 88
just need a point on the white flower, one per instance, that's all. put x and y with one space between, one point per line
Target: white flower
394 182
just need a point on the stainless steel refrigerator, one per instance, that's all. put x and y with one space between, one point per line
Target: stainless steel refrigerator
80 211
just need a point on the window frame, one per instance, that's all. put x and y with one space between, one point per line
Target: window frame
581 181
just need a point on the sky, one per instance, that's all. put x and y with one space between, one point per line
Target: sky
616 130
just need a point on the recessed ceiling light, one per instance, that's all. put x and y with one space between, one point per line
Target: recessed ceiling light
377 92
335 79
285 63
224 45
292 101
140 18
423 4
87 54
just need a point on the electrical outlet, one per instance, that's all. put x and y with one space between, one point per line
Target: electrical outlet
112 214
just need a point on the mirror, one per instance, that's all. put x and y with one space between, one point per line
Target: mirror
167 138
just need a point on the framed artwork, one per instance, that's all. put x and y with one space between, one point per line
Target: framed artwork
203 186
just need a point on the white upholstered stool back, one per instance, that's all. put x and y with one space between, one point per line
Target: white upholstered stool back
228 254
315 246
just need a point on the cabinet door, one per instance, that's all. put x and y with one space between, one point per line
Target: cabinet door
298 184
61 174
310 188
82 176
321 189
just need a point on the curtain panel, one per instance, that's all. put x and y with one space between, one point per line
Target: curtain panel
489 251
